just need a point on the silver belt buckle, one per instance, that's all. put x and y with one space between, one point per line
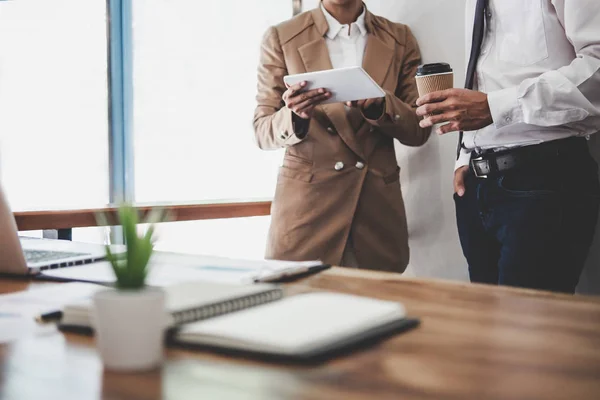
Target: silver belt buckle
477 175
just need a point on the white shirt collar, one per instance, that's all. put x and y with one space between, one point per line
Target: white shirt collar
335 27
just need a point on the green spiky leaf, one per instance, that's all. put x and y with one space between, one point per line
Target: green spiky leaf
131 268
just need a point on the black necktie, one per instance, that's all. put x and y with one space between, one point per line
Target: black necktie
478 32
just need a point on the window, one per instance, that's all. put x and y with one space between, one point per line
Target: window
194 69
53 103
194 97
194 86
53 106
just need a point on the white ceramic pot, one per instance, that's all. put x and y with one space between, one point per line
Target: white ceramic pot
130 328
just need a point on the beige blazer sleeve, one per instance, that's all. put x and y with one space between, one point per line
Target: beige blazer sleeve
273 122
399 118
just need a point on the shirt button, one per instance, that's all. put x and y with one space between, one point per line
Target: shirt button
339 166
359 165
508 119
330 129
489 14
397 117
371 129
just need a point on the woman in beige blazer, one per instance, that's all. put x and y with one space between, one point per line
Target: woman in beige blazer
338 194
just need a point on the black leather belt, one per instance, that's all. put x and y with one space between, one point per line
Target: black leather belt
489 163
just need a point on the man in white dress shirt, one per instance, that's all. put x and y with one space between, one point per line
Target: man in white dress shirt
526 187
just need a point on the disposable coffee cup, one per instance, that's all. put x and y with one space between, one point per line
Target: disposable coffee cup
434 77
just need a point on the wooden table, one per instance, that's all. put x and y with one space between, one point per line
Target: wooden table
475 342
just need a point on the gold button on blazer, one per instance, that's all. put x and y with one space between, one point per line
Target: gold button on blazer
341 179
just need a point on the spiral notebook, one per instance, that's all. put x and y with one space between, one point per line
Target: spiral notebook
187 302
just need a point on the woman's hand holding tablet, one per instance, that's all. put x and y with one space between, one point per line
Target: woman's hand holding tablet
344 84
302 102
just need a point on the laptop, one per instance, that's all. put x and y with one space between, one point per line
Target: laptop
29 256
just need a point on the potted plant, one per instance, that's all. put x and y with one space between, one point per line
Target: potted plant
129 320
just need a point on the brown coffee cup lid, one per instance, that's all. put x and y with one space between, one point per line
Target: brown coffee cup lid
434 68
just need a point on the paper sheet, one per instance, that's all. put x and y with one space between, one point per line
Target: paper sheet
43 299
14 326
170 269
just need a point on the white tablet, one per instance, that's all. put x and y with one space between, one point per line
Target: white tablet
345 84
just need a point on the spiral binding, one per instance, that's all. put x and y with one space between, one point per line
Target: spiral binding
213 310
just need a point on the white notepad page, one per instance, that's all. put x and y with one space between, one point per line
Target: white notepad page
170 269
295 324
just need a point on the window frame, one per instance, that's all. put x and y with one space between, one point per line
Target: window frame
120 101
120 98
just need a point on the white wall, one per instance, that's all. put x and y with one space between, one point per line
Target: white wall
427 171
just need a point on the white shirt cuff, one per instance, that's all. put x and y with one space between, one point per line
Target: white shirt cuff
463 159
505 107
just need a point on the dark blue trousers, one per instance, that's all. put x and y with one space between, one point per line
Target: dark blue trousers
532 227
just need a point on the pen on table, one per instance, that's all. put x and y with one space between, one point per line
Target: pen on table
49 317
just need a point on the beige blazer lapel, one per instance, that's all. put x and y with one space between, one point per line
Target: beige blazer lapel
377 59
